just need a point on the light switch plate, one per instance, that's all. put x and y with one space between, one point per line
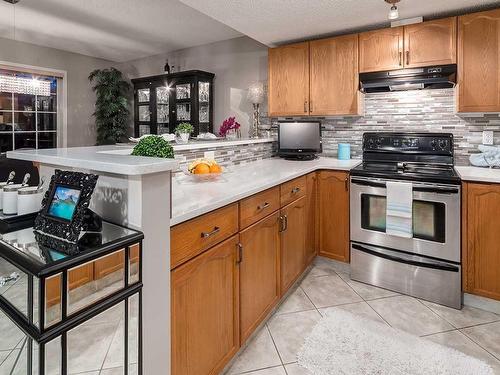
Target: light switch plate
488 137
209 155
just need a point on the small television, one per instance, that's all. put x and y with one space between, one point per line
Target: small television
299 140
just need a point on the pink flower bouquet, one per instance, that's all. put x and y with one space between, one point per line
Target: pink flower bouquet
228 124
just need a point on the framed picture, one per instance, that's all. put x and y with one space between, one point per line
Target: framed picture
65 204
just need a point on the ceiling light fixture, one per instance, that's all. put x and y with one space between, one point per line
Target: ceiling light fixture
393 12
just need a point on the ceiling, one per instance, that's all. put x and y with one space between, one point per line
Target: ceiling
116 30
278 21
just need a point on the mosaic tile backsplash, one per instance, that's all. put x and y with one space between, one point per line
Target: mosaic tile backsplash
229 155
410 111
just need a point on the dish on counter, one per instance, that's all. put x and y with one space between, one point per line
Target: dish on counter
204 170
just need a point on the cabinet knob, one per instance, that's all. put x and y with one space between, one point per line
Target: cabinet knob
211 233
262 206
295 190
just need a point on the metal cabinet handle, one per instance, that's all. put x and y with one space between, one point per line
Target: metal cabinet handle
305 106
400 58
282 224
208 234
346 182
407 57
295 190
262 206
310 106
286 222
240 253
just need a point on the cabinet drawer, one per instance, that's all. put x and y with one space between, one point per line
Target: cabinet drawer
197 235
293 190
258 206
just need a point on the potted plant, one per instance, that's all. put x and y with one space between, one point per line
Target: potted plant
154 146
184 130
111 107
230 128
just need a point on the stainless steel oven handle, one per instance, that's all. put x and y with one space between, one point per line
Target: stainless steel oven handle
433 265
418 188
367 183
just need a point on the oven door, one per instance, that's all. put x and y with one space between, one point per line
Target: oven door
436 218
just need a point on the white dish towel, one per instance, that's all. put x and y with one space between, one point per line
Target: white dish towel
399 209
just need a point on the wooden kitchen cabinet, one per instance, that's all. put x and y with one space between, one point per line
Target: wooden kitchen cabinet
292 242
289 80
333 206
311 215
479 62
205 311
481 239
334 77
259 273
381 50
430 43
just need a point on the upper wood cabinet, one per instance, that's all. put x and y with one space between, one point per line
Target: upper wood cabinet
479 62
481 239
259 273
430 43
381 50
205 311
333 205
289 80
334 77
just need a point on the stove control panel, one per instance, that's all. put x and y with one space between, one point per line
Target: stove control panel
431 143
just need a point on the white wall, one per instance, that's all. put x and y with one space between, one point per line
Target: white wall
236 63
81 99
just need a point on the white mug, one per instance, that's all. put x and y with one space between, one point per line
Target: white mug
9 199
29 199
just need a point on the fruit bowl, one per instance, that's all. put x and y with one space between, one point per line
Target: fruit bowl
204 170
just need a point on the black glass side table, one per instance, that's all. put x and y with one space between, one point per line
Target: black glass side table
66 314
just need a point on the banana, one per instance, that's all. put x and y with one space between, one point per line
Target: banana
196 162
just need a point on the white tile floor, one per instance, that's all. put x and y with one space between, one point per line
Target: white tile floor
273 350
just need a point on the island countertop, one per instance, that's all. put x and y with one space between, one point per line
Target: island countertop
108 159
191 198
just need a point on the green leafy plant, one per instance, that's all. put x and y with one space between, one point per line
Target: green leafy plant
184 127
154 146
111 107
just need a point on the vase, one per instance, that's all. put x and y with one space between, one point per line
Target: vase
182 138
232 134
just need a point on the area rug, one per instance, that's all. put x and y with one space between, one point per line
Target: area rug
343 343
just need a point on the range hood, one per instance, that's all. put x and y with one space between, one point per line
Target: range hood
433 77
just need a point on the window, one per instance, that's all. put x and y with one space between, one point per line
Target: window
28 111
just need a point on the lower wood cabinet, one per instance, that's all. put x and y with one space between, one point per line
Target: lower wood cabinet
311 217
333 206
481 239
259 273
293 241
205 311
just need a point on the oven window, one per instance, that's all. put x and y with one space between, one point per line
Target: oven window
428 217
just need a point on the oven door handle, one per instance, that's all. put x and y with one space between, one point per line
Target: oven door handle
368 183
423 189
433 265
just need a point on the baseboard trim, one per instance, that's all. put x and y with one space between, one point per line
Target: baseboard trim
482 303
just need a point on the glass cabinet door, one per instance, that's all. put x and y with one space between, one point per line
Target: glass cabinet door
204 106
162 109
144 111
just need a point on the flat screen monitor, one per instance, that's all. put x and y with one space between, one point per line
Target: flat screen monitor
299 140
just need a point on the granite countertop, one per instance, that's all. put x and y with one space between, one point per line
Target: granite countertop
191 198
110 159
479 174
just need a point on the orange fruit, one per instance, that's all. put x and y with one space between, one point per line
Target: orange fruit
201 168
215 168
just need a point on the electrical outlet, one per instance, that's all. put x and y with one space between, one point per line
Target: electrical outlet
488 137
209 155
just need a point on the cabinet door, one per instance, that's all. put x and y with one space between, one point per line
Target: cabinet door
334 215
381 50
481 247
431 43
334 76
205 305
293 240
479 62
259 273
311 212
289 80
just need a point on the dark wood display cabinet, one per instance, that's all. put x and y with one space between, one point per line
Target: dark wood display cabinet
163 101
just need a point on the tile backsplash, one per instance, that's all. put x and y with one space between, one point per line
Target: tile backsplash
410 111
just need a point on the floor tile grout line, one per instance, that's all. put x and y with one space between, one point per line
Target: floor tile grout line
274 343
436 313
309 298
478 344
439 332
259 369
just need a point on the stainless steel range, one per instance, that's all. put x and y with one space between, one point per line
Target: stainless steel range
426 262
